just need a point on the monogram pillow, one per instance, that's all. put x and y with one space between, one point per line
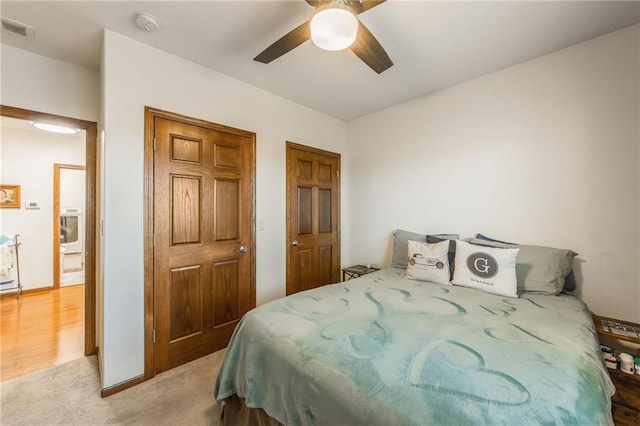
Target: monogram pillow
489 269
428 262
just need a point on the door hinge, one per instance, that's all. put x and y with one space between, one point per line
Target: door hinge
338 173
153 336
338 227
154 144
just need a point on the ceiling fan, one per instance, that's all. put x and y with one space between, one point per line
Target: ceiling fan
334 26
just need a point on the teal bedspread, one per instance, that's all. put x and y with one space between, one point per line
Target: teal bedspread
385 350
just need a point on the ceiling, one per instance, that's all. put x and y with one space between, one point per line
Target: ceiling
432 44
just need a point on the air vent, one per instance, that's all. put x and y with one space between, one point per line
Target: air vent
17 28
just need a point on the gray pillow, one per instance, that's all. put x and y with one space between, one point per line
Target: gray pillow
450 237
401 247
569 280
538 269
401 239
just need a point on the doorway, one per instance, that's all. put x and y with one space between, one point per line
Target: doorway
199 236
91 134
68 224
313 217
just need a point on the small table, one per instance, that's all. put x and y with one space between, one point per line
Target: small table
356 271
626 401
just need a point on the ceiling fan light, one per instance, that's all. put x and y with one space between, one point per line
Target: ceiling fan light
334 28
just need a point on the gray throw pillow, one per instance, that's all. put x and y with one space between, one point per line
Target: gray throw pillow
401 247
569 281
538 269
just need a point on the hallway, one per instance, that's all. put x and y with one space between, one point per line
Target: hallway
40 330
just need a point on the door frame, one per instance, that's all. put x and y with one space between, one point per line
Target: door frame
290 170
91 135
56 218
150 114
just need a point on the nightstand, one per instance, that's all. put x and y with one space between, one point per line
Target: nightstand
625 403
356 271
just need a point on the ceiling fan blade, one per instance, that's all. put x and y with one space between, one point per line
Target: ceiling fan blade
290 41
355 5
369 49
367 4
358 6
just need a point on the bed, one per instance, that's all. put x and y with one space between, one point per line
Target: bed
386 350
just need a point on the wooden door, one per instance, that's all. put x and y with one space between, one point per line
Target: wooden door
313 217
203 227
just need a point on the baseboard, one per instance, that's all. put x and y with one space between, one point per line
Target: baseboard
27 291
122 386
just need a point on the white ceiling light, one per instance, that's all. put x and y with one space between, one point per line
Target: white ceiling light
334 27
54 128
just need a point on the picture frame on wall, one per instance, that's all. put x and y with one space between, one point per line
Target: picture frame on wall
9 196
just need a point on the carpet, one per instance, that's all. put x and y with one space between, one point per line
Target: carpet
69 394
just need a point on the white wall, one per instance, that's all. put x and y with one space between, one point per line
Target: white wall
26 159
43 84
135 76
72 184
545 152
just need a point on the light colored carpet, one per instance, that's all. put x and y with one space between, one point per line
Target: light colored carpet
69 394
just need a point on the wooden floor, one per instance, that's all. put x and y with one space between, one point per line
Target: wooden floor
40 330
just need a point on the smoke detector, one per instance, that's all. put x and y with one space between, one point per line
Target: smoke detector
17 28
147 22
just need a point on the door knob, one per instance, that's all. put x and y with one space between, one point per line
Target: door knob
296 244
243 249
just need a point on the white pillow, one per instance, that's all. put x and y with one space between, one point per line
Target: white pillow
486 268
428 262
